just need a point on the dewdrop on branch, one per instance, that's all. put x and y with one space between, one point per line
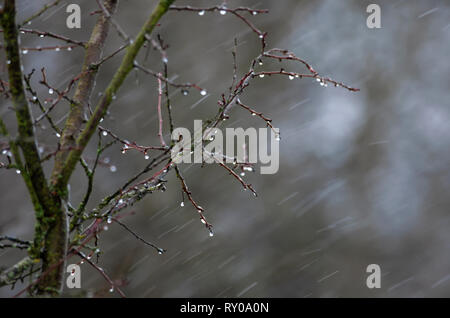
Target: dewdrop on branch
203 92
182 204
50 91
201 12
113 169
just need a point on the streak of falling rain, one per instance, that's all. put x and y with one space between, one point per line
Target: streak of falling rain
400 284
245 290
327 277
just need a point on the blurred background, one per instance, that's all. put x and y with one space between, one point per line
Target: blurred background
364 177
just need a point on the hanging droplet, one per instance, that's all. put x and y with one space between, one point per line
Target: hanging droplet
253 114
201 12
277 138
111 290
185 92
203 92
34 98
69 48
260 63
120 201
4 152
160 252
291 77
146 157
165 60
109 220
203 221
113 168
182 204
25 52
104 133
57 49
97 250
318 79
242 174
18 171
223 12
261 75
261 36
51 91
101 119
41 36
58 135
254 12
211 233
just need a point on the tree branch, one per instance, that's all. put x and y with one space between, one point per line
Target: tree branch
101 108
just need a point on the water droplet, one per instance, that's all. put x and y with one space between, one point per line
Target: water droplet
57 49
104 133
261 36
201 12
242 174
146 157
101 119
318 79
277 138
291 77
254 12
25 52
69 48
105 228
113 168
185 92
4 152
261 75
41 36
182 204
8 62
160 252
97 250
120 201
203 221
165 60
51 91
89 257
111 290
322 84
211 233
18 171
260 63
109 220
41 149
58 135
223 12
203 92
253 114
